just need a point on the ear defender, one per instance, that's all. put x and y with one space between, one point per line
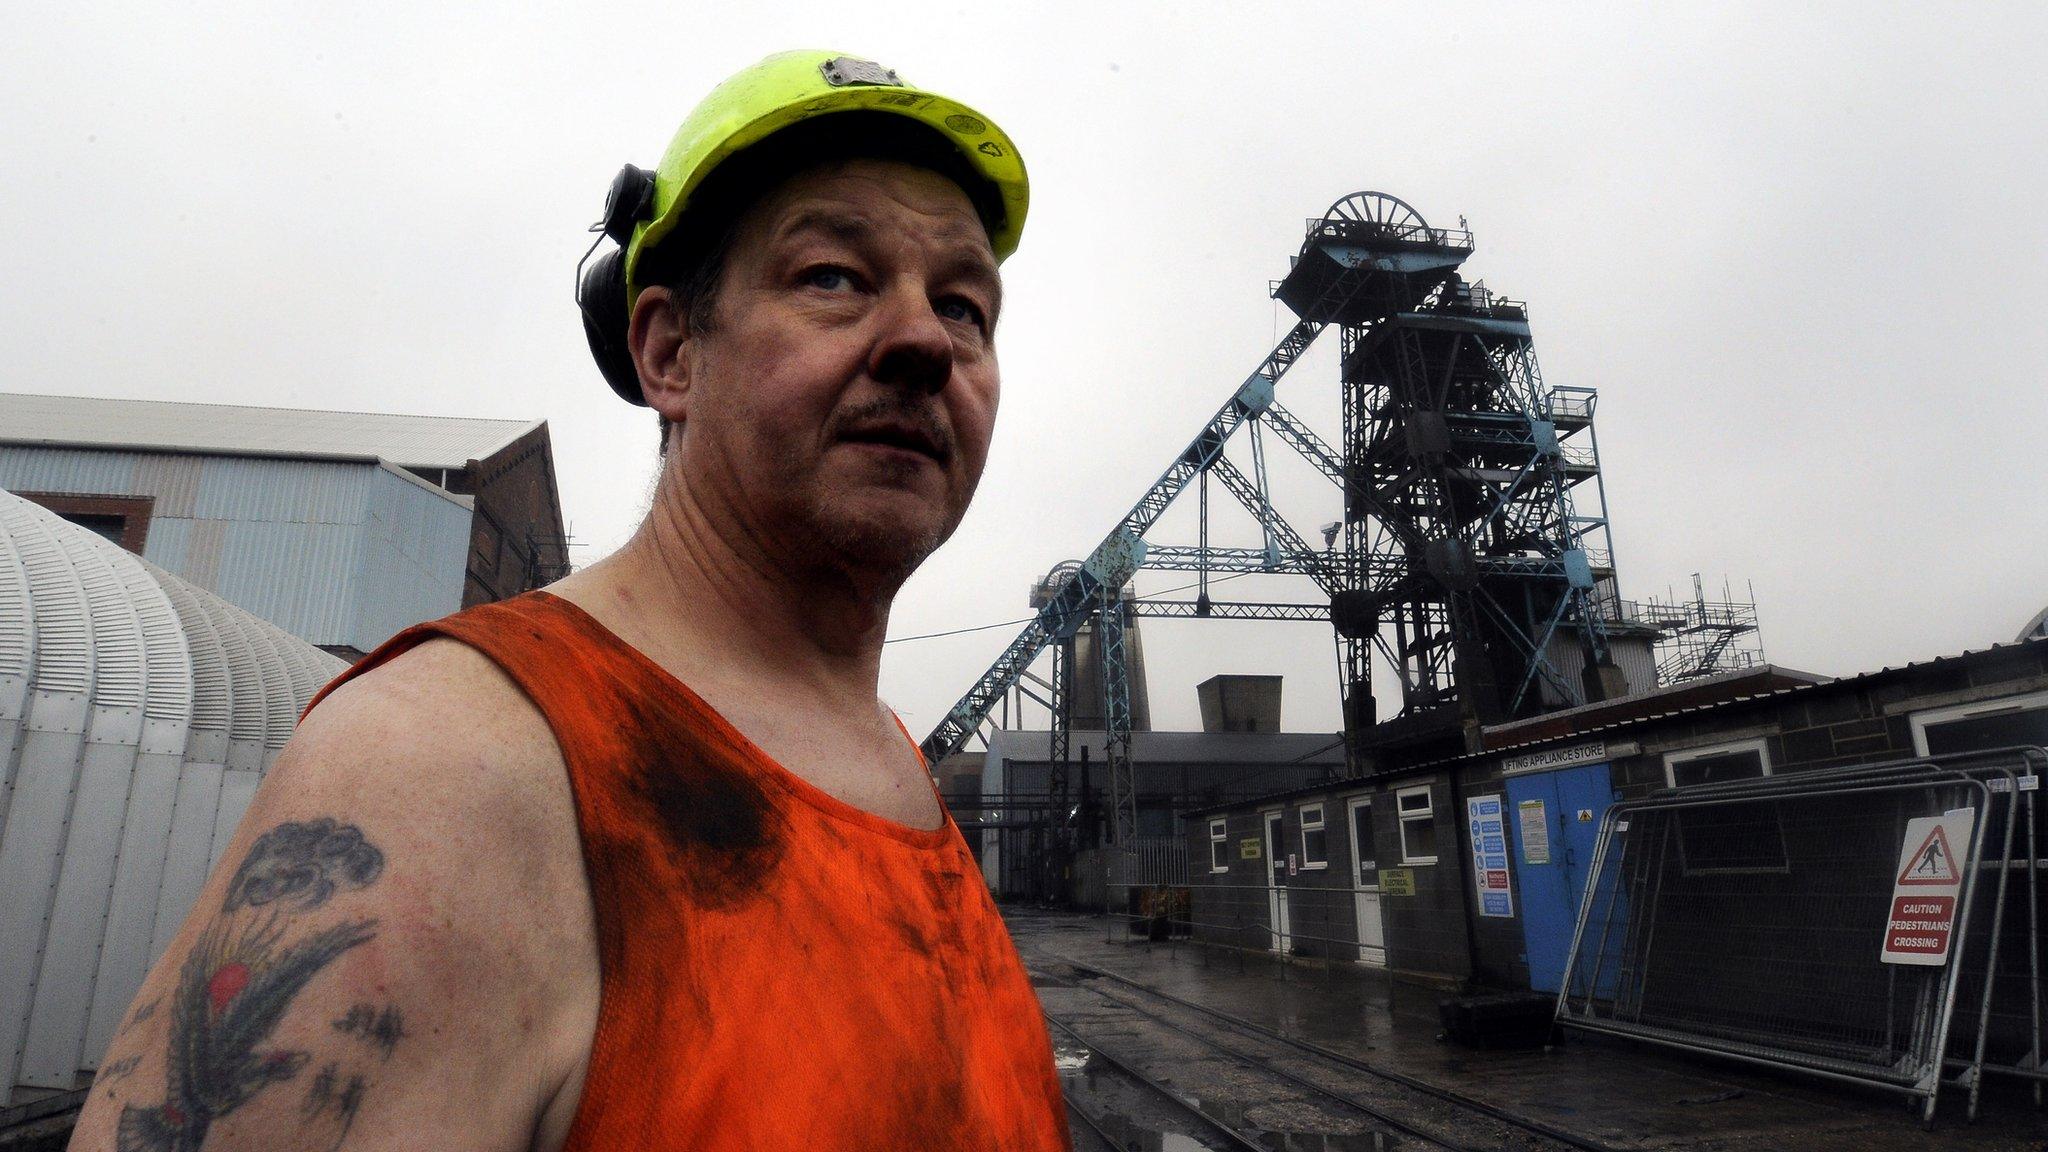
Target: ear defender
601 283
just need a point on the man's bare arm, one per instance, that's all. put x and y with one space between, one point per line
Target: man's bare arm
395 951
244 973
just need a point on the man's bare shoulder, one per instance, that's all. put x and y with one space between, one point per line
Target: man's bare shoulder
442 699
400 922
439 745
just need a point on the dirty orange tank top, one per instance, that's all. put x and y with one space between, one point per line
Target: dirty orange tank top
781 970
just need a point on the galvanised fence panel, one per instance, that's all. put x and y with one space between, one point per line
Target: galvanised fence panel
1749 919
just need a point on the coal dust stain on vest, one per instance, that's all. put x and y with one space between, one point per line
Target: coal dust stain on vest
722 833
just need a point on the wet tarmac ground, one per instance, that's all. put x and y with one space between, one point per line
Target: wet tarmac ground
1146 1072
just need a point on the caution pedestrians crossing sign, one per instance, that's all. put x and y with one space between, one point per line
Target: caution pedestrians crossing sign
1929 885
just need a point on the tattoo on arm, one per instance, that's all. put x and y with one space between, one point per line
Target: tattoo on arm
141 1013
241 977
330 1093
383 1029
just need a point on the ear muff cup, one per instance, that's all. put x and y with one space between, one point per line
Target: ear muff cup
602 294
601 283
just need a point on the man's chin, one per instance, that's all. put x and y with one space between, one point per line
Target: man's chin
874 547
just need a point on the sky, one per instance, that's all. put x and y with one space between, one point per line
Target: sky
1798 253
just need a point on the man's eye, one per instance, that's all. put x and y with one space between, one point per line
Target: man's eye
828 278
961 309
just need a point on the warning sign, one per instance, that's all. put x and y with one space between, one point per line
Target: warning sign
1929 887
1933 862
1486 821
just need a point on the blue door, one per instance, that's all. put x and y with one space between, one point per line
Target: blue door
1554 819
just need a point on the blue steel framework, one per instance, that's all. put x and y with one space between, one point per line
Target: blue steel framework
1463 555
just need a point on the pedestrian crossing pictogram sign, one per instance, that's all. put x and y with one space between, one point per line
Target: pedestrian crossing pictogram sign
1922 922
1933 862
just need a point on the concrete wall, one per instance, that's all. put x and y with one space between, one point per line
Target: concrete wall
1855 721
1438 932
1426 933
1227 907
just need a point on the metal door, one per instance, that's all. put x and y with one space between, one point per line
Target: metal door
1555 817
1365 884
1276 872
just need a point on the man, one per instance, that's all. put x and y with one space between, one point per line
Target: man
644 862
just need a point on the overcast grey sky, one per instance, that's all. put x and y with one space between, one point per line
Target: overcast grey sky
1800 255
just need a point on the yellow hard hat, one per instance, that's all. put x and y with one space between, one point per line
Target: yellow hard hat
790 87
646 210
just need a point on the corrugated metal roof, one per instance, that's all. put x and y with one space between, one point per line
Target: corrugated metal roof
233 429
1860 679
1243 748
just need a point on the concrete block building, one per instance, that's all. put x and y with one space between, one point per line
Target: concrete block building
1385 869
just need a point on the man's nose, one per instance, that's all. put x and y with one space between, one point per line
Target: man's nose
914 350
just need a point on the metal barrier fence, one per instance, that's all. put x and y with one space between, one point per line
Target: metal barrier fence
1148 861
1291 922
1748 919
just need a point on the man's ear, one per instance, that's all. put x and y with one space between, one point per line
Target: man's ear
657 337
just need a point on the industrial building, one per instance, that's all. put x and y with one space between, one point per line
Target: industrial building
1040 841
342 528
137 714
1766 721
1485 868
1470 568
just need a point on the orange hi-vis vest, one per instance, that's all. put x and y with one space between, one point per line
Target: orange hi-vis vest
781 970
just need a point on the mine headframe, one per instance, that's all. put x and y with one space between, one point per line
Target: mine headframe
1461 561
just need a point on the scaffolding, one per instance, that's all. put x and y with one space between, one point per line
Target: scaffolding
1702 637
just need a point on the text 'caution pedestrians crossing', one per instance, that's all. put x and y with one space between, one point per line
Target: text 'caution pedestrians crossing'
1928 888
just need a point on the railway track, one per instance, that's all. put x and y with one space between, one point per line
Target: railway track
1223 1135
1401 1110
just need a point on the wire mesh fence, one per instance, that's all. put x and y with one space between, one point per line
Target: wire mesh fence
1290 921
1763 920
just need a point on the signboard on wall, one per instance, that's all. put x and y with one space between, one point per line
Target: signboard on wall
1250 848
1397 881
1567 756
1487 826
1534 825
1928 887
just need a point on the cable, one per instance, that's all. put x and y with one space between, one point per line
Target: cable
962 631
1029 619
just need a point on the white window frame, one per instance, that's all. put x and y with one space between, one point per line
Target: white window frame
1301 815
1762 748
1939 716
1672 760
1403 816
1219 833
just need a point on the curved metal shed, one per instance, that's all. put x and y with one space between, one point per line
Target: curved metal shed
137 714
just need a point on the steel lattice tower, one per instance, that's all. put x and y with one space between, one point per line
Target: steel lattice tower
1469 564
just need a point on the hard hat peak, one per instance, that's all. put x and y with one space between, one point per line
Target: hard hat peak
788 88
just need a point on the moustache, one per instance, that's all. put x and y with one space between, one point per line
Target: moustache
902 419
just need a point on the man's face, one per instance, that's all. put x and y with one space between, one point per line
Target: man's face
840 407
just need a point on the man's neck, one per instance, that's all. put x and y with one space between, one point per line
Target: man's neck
710 606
